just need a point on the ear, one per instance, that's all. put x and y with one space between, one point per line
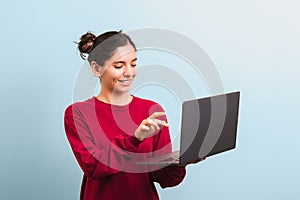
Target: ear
96 69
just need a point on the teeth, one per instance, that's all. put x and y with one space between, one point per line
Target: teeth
124 82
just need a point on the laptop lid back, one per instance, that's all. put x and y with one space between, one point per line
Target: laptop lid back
208 126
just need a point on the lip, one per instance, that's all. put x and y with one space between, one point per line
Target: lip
124 82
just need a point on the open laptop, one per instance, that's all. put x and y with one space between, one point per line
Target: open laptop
208 127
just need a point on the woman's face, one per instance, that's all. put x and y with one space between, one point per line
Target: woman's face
119 70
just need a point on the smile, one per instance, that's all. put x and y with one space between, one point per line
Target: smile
124 82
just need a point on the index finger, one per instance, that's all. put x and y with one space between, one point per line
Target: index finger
157 114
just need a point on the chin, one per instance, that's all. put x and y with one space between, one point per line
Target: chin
121 91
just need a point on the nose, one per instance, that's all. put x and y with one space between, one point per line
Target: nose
128 71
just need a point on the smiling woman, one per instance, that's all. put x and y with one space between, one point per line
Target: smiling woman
117 74
109 133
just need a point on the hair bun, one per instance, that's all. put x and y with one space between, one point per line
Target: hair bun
86 44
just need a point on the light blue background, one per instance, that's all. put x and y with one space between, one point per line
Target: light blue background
254 44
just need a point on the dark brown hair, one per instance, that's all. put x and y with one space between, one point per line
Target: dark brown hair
102 47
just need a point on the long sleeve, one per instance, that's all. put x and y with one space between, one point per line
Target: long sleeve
168 176
171 175
95 161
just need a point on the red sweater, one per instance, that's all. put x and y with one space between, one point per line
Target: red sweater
101 137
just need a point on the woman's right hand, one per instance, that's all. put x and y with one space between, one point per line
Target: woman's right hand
149 126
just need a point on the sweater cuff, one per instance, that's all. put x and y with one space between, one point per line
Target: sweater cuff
134 141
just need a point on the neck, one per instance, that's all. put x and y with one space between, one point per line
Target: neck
115 99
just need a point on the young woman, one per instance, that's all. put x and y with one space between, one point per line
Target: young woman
110 132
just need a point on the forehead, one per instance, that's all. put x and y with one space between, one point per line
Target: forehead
125 53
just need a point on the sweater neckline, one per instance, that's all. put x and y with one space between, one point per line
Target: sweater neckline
112 106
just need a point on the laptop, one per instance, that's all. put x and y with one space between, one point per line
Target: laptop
208 127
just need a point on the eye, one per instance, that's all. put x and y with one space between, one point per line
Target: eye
133 64
118 66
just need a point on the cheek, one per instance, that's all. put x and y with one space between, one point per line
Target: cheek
111 76
134 72
117 74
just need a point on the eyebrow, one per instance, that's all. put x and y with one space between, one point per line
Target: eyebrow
123 61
